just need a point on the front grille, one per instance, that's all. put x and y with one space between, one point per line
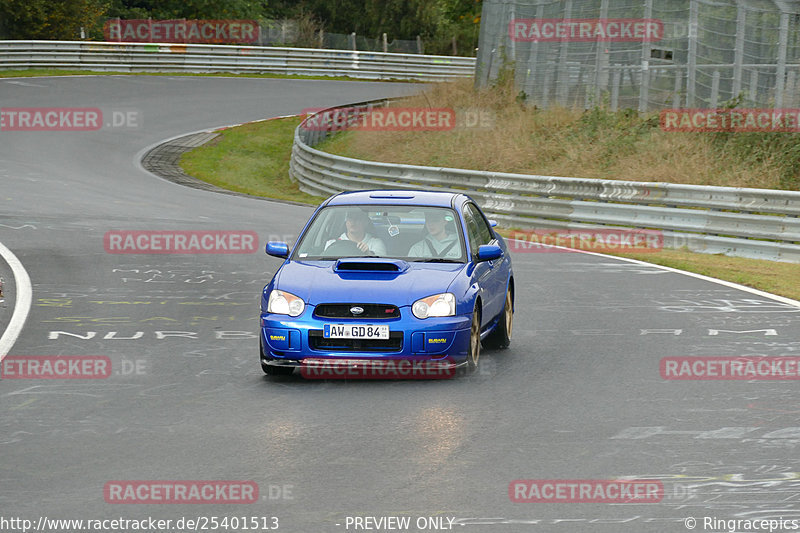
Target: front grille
393 344
371 311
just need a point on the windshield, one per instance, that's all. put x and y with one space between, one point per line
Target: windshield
412 233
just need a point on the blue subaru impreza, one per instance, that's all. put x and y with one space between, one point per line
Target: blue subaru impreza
388 276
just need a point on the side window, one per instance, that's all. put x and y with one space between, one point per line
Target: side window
481 233
472 230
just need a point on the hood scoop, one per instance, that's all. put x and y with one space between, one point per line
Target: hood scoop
370 264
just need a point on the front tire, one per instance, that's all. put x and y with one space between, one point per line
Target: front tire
474 354
501 336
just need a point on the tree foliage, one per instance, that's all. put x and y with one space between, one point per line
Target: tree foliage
436 21
49 19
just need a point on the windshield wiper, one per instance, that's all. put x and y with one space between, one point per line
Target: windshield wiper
438 260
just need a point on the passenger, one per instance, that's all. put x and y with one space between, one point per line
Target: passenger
438 243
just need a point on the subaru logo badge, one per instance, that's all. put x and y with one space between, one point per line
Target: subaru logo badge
356 310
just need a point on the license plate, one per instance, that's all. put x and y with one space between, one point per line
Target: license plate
355 331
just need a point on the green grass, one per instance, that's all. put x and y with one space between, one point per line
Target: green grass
252 158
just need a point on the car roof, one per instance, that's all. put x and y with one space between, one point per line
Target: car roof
395 197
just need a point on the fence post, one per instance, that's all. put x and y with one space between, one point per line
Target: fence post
420 50
791 87
754 86
601 59
455 45
676 94
385 43
780 71
562 85
644 88
533 59
615 81
548 74
353 41
322 38
691 62
714 89
738 58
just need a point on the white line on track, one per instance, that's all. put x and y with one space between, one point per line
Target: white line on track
730 284
23 299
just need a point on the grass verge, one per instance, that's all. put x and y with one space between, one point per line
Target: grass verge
252 158
595 143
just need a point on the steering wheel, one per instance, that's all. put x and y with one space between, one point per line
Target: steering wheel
345 248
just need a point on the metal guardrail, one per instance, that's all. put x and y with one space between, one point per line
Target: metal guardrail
203 58
758 223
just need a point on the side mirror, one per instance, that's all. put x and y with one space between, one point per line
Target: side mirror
278 249
493 223
489 252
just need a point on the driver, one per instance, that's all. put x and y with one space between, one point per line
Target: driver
356 225
438 243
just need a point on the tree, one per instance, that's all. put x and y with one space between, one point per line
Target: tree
50 19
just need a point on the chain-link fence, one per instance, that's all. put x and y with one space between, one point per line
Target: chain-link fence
644 54
285 32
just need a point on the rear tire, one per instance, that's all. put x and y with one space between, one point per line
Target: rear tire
272 370
501 336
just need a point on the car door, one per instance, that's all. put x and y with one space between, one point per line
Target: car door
487 274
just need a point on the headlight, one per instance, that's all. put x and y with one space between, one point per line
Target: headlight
437 305
285 303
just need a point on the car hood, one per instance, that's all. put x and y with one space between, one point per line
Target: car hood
317 282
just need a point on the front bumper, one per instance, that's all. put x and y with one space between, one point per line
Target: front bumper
288 341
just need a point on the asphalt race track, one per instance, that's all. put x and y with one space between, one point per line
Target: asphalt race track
579 395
